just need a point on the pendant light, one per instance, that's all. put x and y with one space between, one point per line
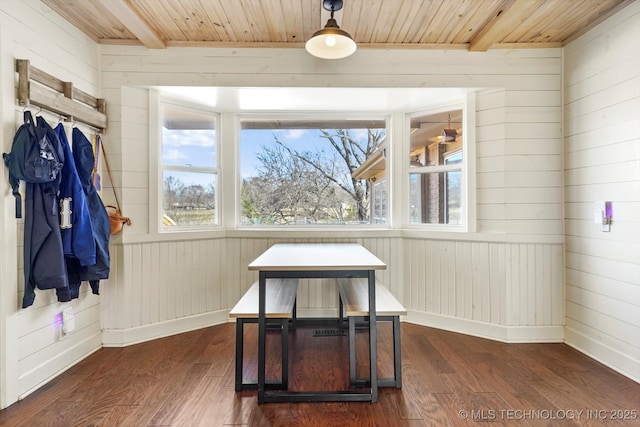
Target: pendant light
449 135
331 42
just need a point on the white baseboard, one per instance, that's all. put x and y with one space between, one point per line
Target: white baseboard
125 337
610 357
509 334
55 366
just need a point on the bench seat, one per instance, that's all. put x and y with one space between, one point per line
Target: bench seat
354 303
280 308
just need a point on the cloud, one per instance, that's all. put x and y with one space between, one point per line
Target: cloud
360 134
292 133
173 155
184 137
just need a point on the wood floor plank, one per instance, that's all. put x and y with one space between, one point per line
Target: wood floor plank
181 392
117 416
449 379
196 405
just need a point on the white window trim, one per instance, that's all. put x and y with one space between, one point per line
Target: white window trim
228 165
468 191
156 167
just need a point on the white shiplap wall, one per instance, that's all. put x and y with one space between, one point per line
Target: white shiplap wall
602 162
503 282
31 350
519 161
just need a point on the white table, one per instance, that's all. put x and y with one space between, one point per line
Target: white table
317 260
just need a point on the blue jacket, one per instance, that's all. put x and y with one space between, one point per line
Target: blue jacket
84 161
75 221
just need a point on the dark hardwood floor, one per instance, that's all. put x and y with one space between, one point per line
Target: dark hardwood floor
448 380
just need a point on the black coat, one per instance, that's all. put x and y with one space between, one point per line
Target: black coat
44 264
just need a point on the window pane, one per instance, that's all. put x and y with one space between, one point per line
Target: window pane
434 139
435 198
379 204
436 149
312 171
189 169
188 138
453 159
189 198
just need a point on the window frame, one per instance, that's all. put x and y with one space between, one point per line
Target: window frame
157 221
466 167
314 116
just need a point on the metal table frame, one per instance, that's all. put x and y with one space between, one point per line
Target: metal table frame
265 394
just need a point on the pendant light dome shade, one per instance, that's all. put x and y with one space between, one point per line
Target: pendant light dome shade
331 42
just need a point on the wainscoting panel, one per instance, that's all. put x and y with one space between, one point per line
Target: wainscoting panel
476 282
511 284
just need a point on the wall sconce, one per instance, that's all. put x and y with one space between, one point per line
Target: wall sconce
603 215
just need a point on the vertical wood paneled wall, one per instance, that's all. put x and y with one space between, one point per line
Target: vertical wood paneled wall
507 284
164 281
602 162
511 284
32 350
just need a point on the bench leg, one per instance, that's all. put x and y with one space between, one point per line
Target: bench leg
284 381
352 350
396 380
239 352
397 357
294 314
285 353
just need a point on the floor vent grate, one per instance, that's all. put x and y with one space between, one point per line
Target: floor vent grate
329 333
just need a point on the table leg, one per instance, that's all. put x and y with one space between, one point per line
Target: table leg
373 337
262 336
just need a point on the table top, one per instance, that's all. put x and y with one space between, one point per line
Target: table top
317 256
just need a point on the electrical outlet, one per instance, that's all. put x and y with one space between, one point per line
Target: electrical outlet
68 320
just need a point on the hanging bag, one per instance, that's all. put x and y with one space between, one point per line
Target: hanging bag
36 156
116 219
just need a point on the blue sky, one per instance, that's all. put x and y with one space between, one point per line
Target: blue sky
186 147
252 141
189 147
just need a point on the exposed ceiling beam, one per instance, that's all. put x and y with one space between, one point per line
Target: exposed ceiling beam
134 23
501 24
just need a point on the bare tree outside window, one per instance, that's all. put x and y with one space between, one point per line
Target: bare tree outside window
303 174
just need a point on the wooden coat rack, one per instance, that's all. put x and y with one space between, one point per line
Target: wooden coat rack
35 87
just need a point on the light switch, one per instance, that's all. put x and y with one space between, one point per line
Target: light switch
602 214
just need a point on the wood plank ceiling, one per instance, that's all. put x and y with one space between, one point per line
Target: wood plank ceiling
476 25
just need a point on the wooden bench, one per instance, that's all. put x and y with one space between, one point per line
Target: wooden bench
354 303
280 307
